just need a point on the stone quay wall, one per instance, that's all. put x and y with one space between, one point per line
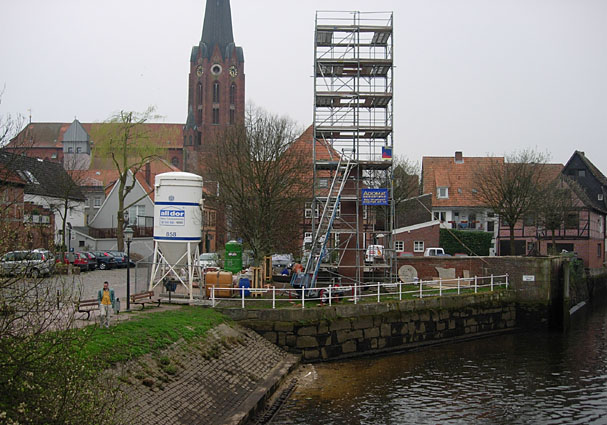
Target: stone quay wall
348 330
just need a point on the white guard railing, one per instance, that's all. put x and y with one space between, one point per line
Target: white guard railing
357 292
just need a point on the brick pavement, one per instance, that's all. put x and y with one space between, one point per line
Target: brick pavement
217 380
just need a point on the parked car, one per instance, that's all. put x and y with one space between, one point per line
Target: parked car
435 252
209 261
92 260
119 257
79 259
105 260
29 263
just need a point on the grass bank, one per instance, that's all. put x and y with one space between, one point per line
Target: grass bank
147 333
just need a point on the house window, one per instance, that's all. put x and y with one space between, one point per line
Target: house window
399 246
309 210
97 202
78 150
418 246
81 244
216 92
529 220
54 155
70 150
215 115
443 193
581 173
440 215
232 94
323 183
600 197
308 235
572 221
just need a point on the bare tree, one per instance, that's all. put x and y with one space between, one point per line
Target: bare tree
405 184
126 140
557 202
511 189
9 125
68 186
263 180
43 377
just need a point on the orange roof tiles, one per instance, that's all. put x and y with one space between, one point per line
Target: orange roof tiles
457 177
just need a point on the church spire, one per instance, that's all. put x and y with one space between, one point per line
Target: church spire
217 27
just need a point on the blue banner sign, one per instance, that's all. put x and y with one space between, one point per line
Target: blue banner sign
375 196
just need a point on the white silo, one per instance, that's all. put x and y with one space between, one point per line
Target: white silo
177 228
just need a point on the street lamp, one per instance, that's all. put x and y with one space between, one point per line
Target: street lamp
128 237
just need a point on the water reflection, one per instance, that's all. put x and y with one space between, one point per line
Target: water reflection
523 378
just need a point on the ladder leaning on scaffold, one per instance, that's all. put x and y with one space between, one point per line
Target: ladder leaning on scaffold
325 224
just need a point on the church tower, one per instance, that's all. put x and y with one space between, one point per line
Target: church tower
216 95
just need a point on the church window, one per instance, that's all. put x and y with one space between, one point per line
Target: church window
191 140
232 94
215 115
199 93
216 92
199 116
232 116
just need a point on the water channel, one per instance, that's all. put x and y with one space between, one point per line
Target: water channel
520 378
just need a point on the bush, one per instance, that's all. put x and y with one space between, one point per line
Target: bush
468 242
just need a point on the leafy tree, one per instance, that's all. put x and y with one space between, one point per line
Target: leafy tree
512 189
126 141
263 180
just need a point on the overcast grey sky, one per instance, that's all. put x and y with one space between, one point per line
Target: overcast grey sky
481 76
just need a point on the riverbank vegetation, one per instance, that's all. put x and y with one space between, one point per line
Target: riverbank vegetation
53 374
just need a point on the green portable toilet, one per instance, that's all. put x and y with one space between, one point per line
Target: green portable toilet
233 258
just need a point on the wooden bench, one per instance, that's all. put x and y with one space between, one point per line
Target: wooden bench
86 306
143 298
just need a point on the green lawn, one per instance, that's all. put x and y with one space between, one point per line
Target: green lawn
146 334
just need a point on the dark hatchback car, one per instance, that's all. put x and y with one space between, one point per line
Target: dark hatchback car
119 257
105 260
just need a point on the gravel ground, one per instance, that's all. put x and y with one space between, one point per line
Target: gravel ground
88 283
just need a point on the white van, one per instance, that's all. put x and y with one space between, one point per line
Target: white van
434 252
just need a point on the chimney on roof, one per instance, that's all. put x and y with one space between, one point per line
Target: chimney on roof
148 174
459 157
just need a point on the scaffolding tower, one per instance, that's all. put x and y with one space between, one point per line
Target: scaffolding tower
353 110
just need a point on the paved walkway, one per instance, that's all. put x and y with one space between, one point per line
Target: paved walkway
218 381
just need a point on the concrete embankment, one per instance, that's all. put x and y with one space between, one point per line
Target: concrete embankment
222 379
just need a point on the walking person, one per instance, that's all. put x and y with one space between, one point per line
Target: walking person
106 300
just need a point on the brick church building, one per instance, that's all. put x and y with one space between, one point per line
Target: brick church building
216 89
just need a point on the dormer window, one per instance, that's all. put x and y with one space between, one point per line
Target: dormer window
443 193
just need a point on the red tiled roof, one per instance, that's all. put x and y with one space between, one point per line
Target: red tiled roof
458 177
46 135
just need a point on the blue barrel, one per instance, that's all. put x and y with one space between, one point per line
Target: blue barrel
245 282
